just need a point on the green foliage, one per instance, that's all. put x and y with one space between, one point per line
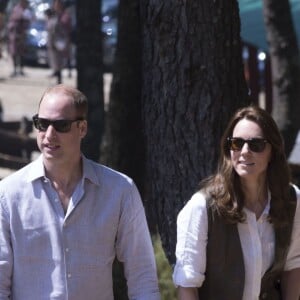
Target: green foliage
119 281
164 270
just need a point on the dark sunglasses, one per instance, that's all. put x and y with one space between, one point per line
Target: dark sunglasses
255 144
42 124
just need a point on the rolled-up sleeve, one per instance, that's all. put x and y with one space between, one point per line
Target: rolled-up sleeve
189 270
135 249
293 257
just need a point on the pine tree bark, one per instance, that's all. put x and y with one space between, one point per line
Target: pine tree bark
90 72
192 83
285 62
124 145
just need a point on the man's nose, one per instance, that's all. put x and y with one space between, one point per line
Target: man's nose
50 131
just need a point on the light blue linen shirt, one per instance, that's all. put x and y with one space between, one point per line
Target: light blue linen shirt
47 254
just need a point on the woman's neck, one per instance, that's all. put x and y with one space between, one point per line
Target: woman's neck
256 196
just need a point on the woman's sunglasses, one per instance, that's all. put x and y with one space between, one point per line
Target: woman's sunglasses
63 126
255 144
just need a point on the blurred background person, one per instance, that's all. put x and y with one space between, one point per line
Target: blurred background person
1 28
18 23
59 26
3 4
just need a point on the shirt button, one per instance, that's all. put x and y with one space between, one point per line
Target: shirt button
69 275
67 249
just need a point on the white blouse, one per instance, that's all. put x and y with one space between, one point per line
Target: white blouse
257 240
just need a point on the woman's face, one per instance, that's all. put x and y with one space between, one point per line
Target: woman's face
248 164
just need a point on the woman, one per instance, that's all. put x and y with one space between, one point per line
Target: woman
239 236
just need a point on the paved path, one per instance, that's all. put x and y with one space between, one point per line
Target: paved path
20 95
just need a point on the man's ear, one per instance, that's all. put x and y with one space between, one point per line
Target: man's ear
83 128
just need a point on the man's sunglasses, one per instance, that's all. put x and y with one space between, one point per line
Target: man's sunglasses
255 144
42 124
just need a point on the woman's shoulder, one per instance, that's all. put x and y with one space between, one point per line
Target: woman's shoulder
297 193
196 203
194 211
297 190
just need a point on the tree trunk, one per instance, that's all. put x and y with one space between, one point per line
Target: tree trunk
90 72
124 145
3 5
193 81
285 63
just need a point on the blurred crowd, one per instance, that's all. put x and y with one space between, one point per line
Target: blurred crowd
14 25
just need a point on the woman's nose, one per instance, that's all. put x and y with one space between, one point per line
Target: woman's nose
245 148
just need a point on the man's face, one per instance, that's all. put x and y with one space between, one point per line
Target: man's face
60 147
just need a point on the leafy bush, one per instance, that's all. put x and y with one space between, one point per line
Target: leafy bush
164 270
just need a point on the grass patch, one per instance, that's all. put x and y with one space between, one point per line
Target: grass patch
164 270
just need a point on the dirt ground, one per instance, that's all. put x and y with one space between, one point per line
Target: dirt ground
20 95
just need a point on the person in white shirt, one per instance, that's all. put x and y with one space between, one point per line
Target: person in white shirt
238 237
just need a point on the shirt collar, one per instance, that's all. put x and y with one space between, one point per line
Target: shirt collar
37 170
89 171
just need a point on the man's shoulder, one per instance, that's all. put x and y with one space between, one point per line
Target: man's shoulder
106 174
18 176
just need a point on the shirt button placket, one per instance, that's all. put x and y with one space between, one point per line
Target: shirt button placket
66 251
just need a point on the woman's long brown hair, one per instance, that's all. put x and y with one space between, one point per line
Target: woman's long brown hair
224 187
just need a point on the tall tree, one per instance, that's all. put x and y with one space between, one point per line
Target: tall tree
90 71
285 62
124 145
193 80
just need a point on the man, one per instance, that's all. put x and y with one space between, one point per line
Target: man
63 218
